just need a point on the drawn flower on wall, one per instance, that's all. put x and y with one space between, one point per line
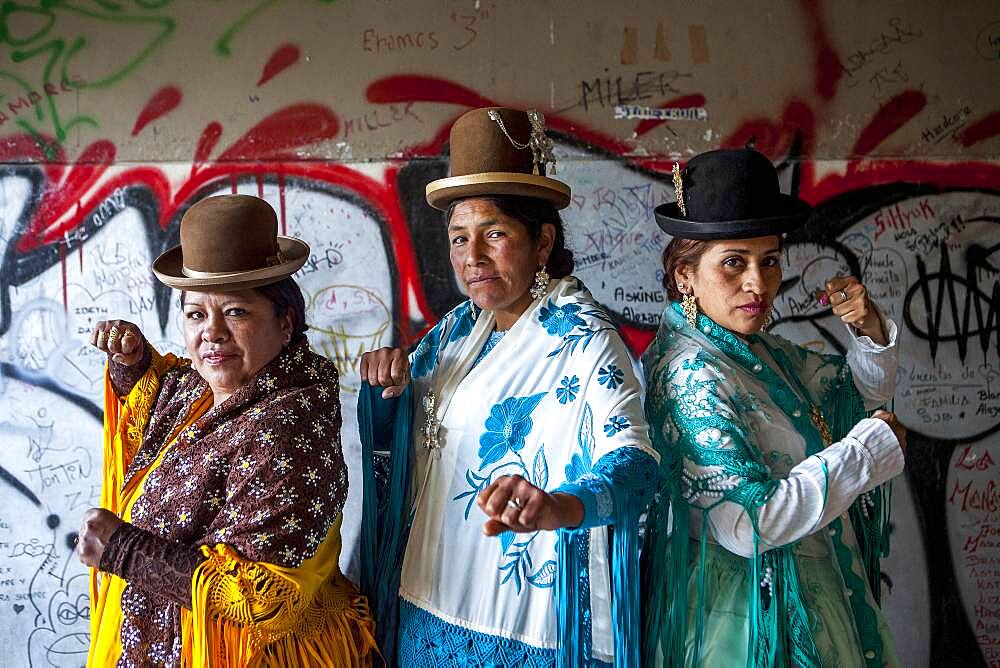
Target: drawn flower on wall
560 320
506 427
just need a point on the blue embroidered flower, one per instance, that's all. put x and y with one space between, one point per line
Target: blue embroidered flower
425 356
506 427
581 462
570 387
560 320
464 321
616 424
611 376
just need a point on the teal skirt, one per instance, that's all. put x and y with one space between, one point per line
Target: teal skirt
726 621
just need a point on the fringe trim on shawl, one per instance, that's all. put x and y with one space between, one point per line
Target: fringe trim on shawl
782 632
261 622
125 422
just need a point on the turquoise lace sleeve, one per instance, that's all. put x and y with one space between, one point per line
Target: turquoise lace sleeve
627 472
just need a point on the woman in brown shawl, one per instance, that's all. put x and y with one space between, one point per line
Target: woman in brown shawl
224 480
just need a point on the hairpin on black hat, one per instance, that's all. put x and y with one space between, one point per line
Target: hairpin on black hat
679 189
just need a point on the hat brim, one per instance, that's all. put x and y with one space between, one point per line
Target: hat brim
169 268
794 214
442 192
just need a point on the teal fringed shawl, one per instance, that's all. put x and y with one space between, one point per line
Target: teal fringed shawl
384 522
782 633
572 610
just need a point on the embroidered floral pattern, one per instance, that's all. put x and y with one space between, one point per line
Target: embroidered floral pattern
616 424
568 389
699 414
424 358
610 376
560 320
506 427
464 321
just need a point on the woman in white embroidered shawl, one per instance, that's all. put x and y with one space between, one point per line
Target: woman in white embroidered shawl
773 471
528 420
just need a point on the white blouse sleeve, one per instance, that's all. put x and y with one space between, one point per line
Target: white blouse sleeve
721 474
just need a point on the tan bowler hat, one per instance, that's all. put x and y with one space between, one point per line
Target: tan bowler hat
230 243
499 151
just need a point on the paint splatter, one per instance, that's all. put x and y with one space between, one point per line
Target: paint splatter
893 115
207 141
828 67
981 130
161 103
283 57
416 88
294 126
58 197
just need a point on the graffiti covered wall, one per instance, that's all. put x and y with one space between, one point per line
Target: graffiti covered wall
117 116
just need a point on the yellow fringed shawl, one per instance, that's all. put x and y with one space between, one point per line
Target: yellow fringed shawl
257 614
243 613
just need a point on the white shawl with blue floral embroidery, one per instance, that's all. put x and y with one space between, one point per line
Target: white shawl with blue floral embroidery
555 395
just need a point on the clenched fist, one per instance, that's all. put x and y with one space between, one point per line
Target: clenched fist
120 339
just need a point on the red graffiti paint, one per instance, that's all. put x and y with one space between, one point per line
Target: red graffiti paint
207 141
60 196
981 130
828 67
416 88
294 126
281 203
893 115
266 154
283 57
636 339
684 102
161 103
775 138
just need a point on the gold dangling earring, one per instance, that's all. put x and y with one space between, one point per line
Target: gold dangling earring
541 285
767 320
690 306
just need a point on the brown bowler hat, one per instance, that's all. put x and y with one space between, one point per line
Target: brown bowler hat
499 151
230 243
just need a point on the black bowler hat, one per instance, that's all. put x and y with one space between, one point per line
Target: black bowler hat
729 194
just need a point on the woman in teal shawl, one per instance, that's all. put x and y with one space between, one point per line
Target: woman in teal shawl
764 547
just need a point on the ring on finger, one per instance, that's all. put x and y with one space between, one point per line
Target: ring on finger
843 296
515 502
113 335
